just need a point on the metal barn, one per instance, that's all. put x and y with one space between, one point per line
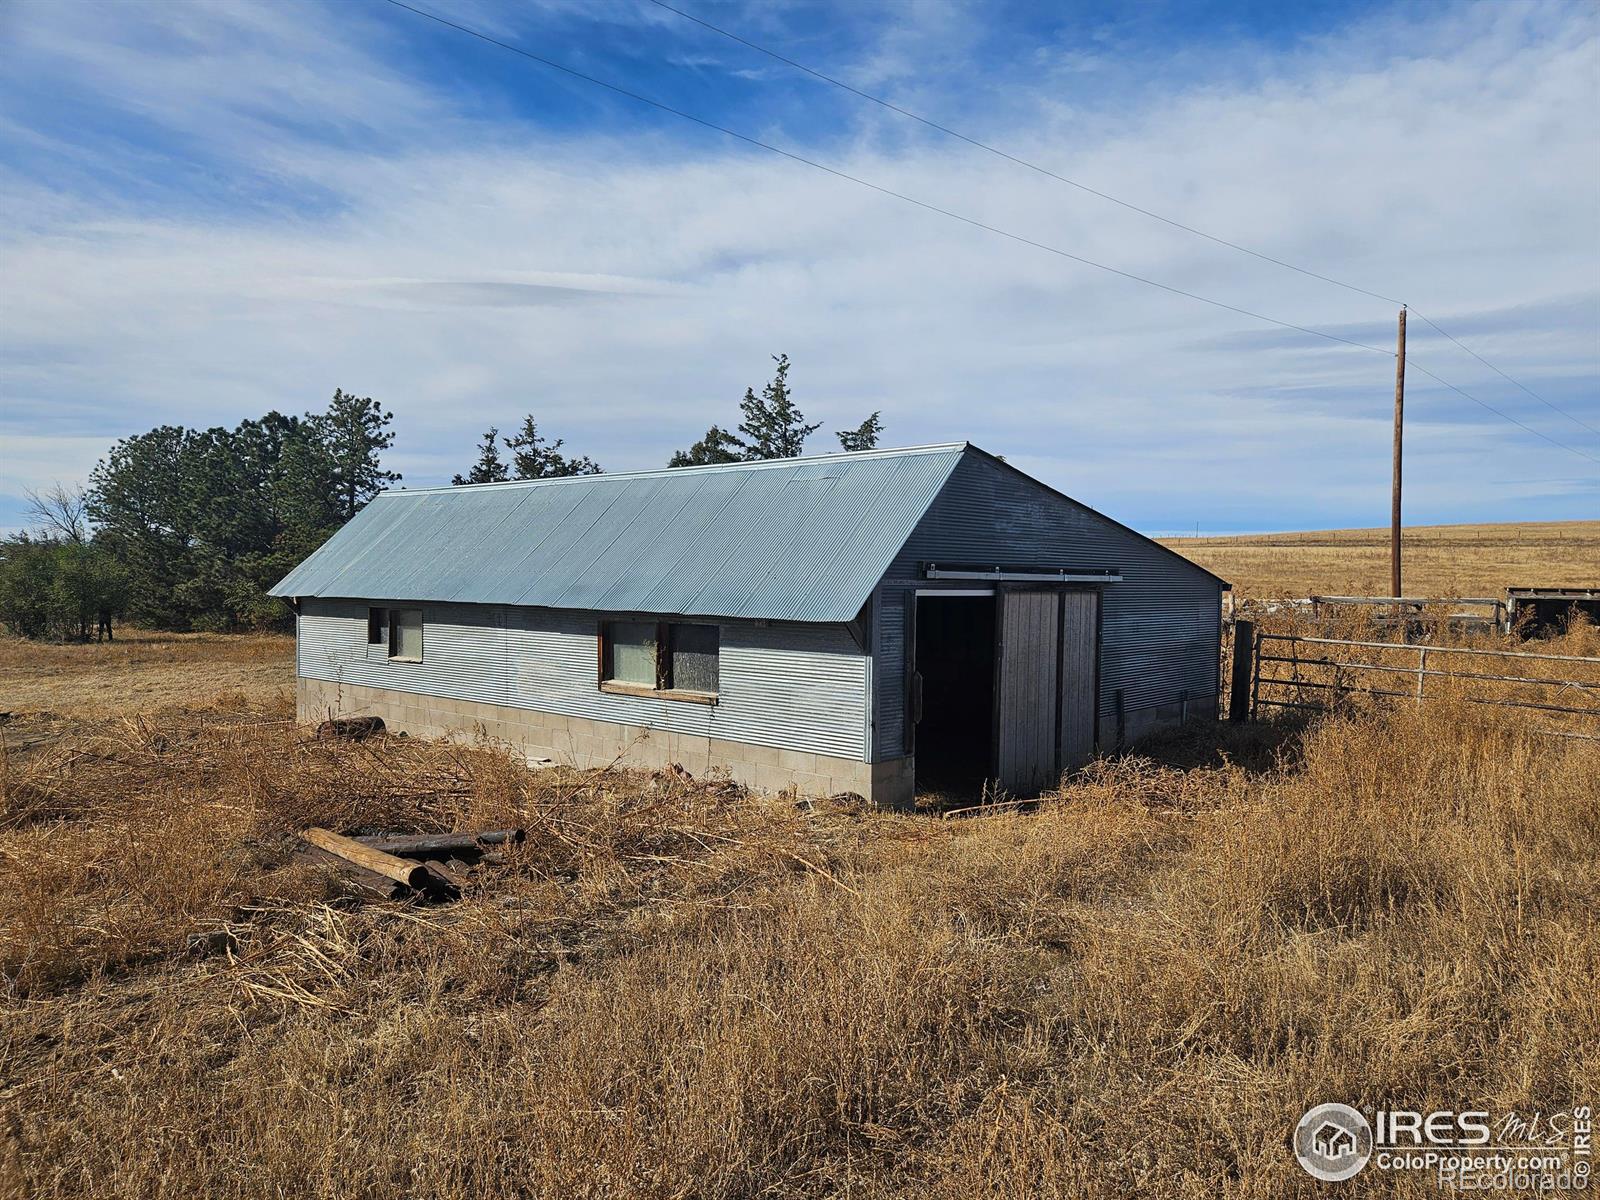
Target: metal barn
885 623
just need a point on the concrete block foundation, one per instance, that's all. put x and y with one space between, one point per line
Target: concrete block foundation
585 742
1143 722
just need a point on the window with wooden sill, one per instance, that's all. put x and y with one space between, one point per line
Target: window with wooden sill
670 660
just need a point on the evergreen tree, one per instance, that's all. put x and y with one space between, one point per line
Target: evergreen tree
534 457
773 427
226 518
356 432
863 437
203 522
490 467
306 504
718 446
140 500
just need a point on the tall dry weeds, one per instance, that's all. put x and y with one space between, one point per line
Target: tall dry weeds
681 990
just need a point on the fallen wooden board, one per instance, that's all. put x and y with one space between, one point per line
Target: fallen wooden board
412 874
443 880
369 882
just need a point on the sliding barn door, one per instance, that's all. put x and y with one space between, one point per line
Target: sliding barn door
1046 685
1080 642
1027 633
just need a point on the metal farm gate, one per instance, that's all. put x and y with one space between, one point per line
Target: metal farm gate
1292 672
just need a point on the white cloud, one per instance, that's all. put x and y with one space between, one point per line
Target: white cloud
628 289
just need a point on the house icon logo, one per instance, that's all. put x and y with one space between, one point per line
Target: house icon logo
1332 1142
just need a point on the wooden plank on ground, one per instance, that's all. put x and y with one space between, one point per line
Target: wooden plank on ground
400 870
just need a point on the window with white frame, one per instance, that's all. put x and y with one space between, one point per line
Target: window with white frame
397 630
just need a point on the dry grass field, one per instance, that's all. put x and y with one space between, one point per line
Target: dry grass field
674 988
143 671
1439 560
677 989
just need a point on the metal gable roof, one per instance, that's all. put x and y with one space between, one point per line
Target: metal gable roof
802 539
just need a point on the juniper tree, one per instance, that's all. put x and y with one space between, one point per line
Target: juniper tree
863 437
490 467
773 427
718 446
534 457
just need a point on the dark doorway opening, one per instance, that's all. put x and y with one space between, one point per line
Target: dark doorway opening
955 659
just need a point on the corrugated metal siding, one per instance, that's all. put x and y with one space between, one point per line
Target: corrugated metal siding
796 687
1160 627
792 540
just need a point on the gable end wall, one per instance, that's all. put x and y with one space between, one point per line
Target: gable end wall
1161 626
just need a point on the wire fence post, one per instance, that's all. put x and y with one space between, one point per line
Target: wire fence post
1422 670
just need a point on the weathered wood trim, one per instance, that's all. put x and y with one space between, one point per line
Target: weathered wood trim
1028 692
616 688
1077 683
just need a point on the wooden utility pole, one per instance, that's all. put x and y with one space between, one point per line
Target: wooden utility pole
1399 424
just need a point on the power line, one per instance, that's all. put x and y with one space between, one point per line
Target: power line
1483 404
945 212
1083 187
866 183
1021 162
1553 408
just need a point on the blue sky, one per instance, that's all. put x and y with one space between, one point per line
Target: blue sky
219 208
